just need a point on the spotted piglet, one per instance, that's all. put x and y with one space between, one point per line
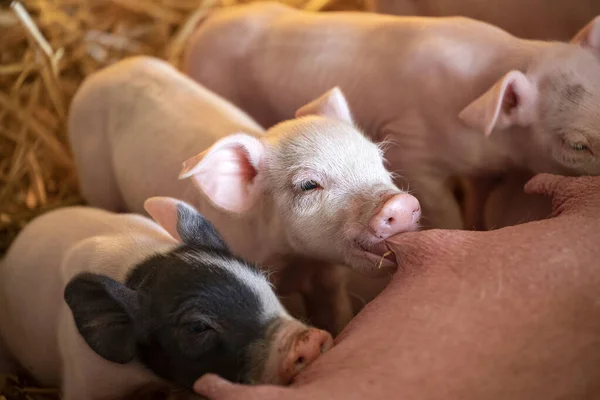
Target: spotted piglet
104 304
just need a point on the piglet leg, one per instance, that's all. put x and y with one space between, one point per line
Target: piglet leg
476 192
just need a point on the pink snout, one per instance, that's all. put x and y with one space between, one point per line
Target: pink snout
400 213
306 348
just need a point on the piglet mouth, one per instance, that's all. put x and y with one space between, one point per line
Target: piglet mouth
377 253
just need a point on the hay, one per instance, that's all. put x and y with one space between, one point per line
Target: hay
387 253
47 48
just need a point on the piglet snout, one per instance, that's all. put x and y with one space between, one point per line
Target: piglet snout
308 345
400 213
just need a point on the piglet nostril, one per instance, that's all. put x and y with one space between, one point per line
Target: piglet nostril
300 361
398 214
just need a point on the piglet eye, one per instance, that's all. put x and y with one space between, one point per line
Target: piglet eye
197 327
309 185
578 146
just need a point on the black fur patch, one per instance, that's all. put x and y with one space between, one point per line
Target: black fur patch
194 229
181 293
183 313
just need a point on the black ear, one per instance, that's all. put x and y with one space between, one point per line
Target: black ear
104 311
196 230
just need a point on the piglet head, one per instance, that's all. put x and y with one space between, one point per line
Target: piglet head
336 199
193 310
553 108
319 177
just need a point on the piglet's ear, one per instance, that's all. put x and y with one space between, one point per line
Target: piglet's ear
511 101
589 35
184 223
332 104
227 172
164 211
104 310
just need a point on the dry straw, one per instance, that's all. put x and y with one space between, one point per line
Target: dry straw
47 47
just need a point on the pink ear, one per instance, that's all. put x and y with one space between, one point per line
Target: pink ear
332 104
589 35
164 211
511 101
226 173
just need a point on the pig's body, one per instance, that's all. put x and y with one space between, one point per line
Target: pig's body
406 79
531 19
103 305
35 322
309 193
507 314
123 179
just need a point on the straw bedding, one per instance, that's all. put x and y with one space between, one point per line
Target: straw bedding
47 47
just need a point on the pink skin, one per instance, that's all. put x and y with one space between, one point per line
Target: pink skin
505 314
529 19
455 97
400 213
295 346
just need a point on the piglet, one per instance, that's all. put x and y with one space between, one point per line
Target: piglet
529 19
453 96
104 304
310 192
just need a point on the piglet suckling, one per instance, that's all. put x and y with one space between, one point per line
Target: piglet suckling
454 96
307 193
104 304
506 314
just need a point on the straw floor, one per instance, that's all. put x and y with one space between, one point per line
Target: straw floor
47 47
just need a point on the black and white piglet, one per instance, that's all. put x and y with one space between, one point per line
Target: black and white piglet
102 304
